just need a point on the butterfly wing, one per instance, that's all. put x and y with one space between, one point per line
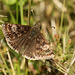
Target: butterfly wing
15 35
38 49
14 31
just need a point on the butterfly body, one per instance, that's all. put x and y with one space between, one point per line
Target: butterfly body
28 41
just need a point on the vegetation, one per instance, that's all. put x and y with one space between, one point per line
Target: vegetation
58 26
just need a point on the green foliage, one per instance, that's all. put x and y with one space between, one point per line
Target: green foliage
9 2
45 11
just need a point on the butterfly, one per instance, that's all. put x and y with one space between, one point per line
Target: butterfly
27 41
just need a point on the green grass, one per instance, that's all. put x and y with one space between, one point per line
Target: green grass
12 63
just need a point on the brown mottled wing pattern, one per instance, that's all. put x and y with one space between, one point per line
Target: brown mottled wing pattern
39 49
15 35
24 40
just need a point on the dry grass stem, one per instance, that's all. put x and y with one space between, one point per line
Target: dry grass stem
11 64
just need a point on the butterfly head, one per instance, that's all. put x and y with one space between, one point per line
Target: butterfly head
38 25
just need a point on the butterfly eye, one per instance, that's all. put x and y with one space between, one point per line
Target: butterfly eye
35 24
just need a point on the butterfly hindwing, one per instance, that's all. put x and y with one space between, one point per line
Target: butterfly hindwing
39 49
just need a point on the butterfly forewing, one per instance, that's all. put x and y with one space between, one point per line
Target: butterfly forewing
15 34
14 31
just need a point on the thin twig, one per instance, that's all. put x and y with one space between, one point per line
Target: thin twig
62 68
10 62
4 71
72 61
48 65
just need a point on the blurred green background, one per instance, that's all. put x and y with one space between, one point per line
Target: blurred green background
58 26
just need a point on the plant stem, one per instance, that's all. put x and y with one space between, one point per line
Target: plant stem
21 12
10 62
62 15
17 11
5 63
29 12
26 66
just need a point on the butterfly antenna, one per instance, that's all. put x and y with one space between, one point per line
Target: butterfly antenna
33 15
